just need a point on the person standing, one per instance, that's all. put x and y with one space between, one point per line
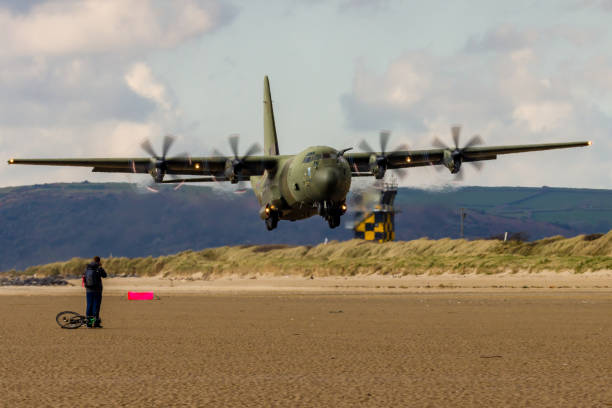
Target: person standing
92 280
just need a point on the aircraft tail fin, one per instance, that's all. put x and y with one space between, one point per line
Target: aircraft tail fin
270 140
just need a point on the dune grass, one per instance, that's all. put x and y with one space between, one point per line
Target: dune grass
578 254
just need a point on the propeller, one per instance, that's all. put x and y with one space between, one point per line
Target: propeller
379 163
454 156
159 164
235 165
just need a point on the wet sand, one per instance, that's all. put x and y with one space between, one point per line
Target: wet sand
308 347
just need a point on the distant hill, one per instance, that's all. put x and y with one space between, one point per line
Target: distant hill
54 222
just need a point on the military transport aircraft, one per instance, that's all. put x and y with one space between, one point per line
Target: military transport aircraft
294 187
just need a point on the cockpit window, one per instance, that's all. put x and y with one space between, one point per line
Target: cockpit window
310 156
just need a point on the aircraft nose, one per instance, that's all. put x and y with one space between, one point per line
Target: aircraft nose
326 182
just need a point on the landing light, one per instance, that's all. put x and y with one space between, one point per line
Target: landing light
343 207
11 161
408 159
590 143
197 165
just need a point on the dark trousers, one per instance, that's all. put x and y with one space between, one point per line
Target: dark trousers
94 300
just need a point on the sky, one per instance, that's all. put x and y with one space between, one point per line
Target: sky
94 79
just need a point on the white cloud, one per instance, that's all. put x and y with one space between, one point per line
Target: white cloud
58 91
140 80
518 94
501 39
107 138
368 5
417 89
509 38
547 115
604 5
90 26
74 83
66 60
343 7
403 84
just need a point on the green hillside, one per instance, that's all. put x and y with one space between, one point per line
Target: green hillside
569 206
56 222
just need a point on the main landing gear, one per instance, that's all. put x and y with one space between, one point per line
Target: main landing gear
332 213
333 220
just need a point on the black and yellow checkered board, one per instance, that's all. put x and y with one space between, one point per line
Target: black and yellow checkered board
376 226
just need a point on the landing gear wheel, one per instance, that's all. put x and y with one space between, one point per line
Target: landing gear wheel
333 220
272 221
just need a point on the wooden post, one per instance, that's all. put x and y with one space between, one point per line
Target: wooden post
462 214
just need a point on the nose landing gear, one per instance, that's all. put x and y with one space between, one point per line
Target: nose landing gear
272 217
272 222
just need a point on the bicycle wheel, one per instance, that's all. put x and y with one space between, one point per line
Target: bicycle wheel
70 320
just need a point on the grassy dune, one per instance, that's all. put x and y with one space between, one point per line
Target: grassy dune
578 254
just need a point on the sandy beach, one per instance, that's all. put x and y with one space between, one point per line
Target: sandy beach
374 284
448 340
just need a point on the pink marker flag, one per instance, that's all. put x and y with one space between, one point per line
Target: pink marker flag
140 295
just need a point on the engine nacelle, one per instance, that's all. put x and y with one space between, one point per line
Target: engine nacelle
453 160
378 166
157 171
232 170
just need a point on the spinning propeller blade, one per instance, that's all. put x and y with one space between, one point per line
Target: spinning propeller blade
382 160
457 153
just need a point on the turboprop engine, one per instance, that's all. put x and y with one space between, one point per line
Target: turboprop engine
378 163
158 164
234 165
454 157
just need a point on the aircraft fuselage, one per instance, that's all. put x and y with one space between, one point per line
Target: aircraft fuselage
315 181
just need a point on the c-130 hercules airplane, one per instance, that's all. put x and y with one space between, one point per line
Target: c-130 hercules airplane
294 187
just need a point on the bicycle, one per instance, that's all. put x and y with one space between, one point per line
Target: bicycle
72 320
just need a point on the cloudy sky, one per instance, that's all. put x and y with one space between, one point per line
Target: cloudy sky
93 79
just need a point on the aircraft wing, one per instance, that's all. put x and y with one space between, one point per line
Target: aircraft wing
360 162
212 167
